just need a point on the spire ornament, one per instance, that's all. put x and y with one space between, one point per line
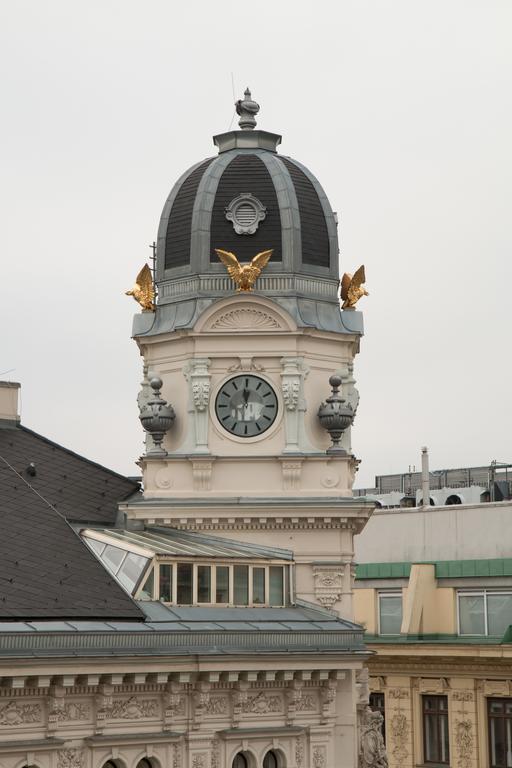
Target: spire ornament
335 415
247 109
156 416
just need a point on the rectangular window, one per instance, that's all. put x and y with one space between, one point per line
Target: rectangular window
436 745
204 584
165 588
241 579
184 584
499 713
471 614
377 704
499 614
484 613
148 590
390 613
258 586
276 584
222 588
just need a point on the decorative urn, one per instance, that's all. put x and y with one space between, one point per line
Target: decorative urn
156 417
335 415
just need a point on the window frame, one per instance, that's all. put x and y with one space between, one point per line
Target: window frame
502 718
286 580
479 593
384 594
438 714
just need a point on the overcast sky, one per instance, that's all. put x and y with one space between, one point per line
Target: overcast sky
402 109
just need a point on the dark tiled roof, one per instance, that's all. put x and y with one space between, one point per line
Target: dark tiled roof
45 569
78 488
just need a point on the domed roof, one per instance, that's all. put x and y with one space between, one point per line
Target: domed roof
247 199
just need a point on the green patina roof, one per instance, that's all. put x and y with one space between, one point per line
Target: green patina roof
445 569
439 639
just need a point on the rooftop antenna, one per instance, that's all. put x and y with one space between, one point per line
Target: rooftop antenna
234 99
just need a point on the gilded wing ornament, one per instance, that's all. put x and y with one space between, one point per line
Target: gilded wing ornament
244 275
143 291
352 288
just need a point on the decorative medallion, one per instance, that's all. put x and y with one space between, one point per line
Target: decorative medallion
245 213
133 708
14 713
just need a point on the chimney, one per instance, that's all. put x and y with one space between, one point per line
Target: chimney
425 478
9 411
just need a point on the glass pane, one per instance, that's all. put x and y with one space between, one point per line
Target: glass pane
165 593
204 584
508 740
390 614
148 590
499 614
222 595
444 741
431 739
241 577
270 760
113 557
471 615
276 584
240 761
131 570
96 546
497 739
496 706
184 584
286 584
258 585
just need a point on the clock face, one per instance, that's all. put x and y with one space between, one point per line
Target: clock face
246 406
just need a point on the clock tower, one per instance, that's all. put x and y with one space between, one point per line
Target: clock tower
249 396
247 372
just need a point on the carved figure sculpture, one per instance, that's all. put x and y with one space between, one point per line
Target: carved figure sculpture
143 291
372 752
244 275
351 288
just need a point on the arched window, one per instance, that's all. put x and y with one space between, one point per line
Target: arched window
454 499
270 760
109 764
144 763
240 761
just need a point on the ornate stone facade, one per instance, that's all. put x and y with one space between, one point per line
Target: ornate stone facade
92 721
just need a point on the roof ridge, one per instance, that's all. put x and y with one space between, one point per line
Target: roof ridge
39 495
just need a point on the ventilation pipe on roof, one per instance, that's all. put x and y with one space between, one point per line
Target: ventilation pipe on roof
425 477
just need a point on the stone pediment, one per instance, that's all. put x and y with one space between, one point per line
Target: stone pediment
246 315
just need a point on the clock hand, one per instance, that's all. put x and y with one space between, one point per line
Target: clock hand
245 395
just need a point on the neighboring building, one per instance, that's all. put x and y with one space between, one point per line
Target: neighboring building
434 591
467 485
231 643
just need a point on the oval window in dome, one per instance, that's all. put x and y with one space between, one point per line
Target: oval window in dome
245 212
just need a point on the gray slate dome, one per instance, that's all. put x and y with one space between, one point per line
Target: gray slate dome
247 199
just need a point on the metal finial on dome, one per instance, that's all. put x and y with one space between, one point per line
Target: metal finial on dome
247 109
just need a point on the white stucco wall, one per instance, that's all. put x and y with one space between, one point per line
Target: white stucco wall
457 532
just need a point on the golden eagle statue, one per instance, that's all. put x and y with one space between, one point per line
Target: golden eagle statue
143 291
351 288
244 275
